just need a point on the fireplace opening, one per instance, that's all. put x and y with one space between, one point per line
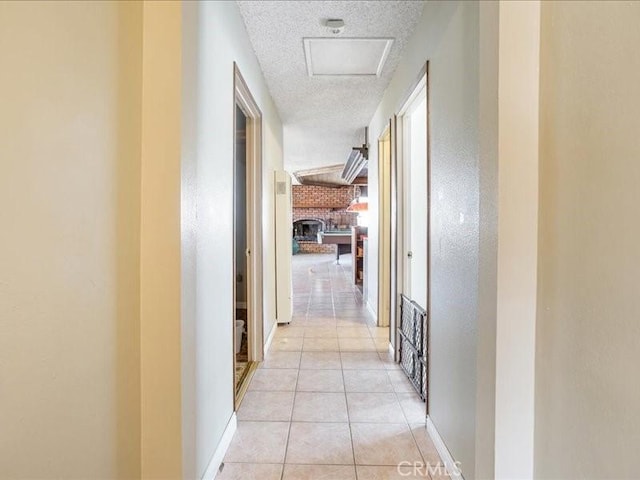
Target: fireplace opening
306 230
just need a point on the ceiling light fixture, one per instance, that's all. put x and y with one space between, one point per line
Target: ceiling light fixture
359 205
335 25
357 160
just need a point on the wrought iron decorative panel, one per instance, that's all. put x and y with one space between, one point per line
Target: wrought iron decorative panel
413 334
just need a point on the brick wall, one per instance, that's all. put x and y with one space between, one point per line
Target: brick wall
324 203
310 247
311 196
327 204
333 218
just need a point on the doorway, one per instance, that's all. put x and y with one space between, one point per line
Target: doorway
248 336
404 218
241 344
413 259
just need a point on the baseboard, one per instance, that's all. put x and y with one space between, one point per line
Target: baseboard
216 460
452 468
272 333
242 305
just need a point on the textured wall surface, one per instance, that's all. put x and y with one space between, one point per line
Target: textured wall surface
455 234
587 392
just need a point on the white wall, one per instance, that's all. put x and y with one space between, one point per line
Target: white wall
70 116
214 37
587 390
448 36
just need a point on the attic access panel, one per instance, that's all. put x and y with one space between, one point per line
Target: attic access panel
346 56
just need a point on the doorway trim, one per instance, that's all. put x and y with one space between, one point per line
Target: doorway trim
243 98
385 228
404 203
396 272
401 203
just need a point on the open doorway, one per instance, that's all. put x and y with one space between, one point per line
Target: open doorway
247 262
240 240
403 256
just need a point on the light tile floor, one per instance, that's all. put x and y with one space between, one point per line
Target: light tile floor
328 402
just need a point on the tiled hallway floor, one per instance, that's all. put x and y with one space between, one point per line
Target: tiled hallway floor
328 402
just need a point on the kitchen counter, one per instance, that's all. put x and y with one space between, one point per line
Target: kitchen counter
340 238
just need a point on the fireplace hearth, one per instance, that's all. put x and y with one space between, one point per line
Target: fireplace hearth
306 229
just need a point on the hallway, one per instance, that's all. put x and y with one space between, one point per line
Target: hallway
489 149
328 402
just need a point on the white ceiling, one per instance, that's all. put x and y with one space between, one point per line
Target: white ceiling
323 117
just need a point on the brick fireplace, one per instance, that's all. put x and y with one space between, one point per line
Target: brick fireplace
316 207
307 229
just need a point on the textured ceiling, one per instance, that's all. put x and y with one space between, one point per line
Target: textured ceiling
323 117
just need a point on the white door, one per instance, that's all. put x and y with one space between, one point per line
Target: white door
415 199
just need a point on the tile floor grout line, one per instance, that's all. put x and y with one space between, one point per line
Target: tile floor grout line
286 445
346 401
409 425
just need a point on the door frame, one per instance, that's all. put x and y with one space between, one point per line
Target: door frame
399 134
385 227
243 98
404 203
